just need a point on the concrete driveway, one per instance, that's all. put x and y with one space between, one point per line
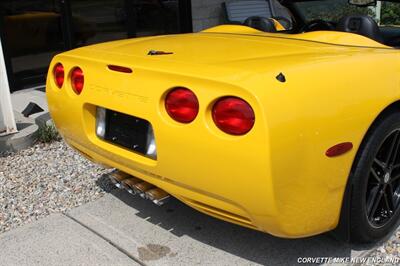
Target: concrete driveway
126 230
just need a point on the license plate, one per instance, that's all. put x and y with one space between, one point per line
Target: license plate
124 130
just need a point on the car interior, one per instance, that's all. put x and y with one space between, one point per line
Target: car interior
362 24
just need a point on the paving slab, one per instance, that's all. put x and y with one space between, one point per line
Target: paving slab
178 235
58 240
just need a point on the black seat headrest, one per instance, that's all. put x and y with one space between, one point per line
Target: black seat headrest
362 25
260 23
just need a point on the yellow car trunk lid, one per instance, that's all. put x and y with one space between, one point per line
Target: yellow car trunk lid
225 44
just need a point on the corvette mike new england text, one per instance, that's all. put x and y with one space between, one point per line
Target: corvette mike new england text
347 260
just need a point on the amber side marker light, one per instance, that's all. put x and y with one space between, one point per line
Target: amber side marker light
77 80
233 116
58 72
339 149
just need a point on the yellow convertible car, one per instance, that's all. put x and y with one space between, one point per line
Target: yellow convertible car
293 132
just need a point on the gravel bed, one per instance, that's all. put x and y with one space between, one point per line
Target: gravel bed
46 179
387 254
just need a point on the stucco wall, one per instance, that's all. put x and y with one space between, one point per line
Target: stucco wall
209 13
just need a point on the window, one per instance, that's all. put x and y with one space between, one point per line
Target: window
33 31
385 13
32 35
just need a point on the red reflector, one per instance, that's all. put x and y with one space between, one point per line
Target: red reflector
233 116
182 105
339 149
58 73
120 69
77 80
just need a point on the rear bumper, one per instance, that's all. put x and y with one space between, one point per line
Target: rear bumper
199 199
259 180
201 179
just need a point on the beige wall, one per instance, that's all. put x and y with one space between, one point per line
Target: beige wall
209 13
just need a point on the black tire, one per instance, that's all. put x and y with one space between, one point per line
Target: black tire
369 213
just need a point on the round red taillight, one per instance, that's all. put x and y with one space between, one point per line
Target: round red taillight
77 80
182 105
58 73
233 116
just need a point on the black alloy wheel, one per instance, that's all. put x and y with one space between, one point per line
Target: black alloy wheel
371 206
383 191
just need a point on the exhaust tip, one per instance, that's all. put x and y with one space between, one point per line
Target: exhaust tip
117 177
136 186
143 186
157 196
162 201
127 188
129 184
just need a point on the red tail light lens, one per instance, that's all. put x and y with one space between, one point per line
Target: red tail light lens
182 105
58 73
233 116
77 80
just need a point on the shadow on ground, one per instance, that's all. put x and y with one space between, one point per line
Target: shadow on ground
180 220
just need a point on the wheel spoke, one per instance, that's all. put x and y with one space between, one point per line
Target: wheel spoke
395 195
381 164
393 148
390 196
373 201
396 151
375 175
395 178
388 205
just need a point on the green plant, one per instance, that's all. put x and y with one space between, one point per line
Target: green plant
390 13
48 133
